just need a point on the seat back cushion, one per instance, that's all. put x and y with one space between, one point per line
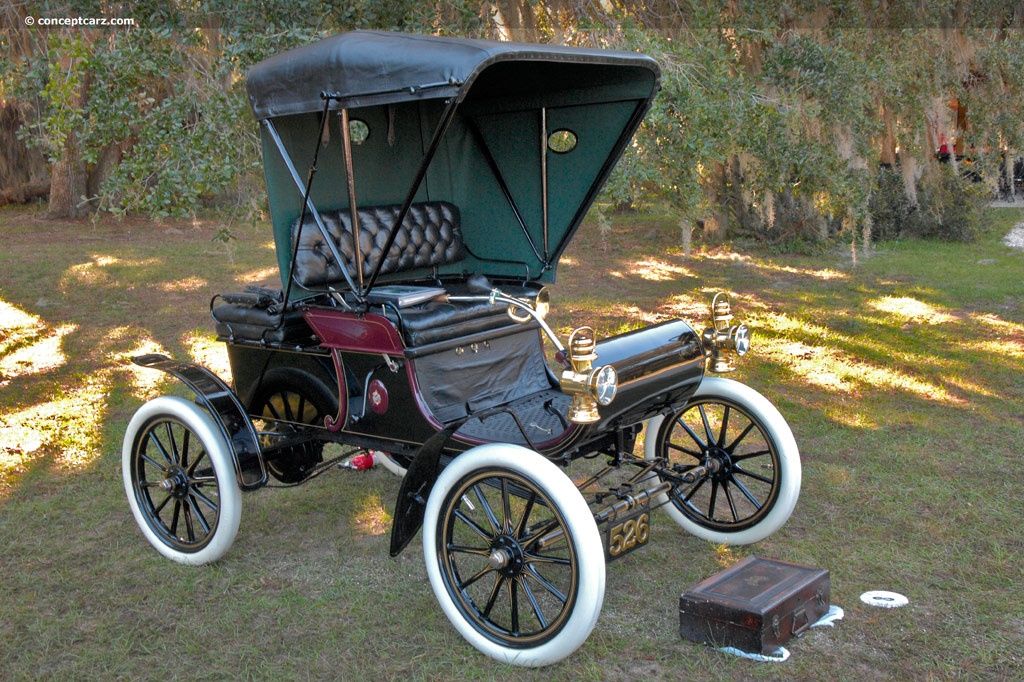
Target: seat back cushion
429 236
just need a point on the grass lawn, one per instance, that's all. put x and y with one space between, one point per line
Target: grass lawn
899 371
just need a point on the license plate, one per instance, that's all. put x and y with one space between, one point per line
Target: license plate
627 531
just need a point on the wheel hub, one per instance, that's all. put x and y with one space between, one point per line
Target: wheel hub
499 559
176 482
292 460
506 556
718 464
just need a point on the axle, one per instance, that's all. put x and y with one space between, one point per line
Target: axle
626 503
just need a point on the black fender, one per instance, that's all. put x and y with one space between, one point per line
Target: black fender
416 486
225 409
420 477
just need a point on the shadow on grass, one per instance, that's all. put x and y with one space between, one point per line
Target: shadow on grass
77 301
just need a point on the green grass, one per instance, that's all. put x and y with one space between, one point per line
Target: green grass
899 373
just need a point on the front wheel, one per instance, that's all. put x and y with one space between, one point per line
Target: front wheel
743 459
180 481
514 555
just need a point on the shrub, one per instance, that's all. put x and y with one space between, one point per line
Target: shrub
949 205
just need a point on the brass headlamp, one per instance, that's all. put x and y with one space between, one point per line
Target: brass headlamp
588 386
724 341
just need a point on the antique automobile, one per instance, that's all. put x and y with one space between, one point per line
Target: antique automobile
422 190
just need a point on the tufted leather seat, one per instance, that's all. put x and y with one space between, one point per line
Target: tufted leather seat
430 235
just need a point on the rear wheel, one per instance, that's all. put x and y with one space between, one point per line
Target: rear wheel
286 401
180 481
514 555
743 458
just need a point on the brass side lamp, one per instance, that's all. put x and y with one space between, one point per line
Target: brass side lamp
724 341
588 386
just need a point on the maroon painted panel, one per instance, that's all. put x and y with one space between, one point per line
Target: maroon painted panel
347 331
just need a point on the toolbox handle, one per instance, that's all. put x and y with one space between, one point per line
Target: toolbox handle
801 622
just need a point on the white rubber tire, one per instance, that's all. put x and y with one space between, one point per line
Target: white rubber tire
221 535
575 621
775 428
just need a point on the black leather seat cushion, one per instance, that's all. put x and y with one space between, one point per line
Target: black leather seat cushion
439 321
436 321
430 235
239 322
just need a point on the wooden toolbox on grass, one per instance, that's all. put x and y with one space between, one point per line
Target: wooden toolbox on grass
756 605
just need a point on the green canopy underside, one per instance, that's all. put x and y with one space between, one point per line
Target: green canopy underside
494 156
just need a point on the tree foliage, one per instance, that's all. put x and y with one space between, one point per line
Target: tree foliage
805 110
777 120
153 118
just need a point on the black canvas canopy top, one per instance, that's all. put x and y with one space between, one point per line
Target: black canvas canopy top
364 68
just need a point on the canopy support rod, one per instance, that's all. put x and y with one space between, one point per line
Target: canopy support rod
496 172
350 182
544 177
306 204
428 156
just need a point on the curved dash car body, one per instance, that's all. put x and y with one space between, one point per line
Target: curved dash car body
422 190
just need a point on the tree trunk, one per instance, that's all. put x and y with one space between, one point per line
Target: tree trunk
68 173
517 19
67 184
21 169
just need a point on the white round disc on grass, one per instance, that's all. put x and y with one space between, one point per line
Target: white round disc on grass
883 599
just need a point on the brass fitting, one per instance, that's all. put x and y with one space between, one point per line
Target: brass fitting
724 341
589 387
541 305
